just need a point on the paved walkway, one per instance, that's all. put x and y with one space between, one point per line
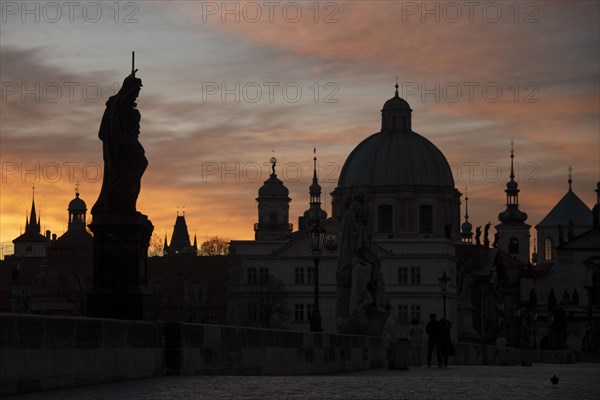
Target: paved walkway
579 381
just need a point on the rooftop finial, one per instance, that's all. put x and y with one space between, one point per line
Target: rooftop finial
273 162
77 189
570 177
466 204
133 70
512 156
396 86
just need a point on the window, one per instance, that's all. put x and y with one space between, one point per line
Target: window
404 124
513 246
263 275
299 312
548 249
385 214
415 312
310 273
425 218
402 313
415 275
299 275
403 276
252 275
394 122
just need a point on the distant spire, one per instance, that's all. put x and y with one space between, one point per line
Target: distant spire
512 157
466 204
33 223
77 189
570 177
396 93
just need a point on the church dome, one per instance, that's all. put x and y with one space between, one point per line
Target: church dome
396 159
273 188
396 103
396 156
77 204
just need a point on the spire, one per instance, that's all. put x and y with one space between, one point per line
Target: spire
314 211
570 177
195 246
33 224
512 158
466 227
396 93
512 213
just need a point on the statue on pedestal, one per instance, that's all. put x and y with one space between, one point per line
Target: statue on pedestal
361 304
124 158
121 233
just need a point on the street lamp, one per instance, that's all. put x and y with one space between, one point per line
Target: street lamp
444 288
316 237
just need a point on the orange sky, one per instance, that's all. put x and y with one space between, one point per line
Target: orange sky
205 146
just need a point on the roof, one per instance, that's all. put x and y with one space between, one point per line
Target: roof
77 204
30 236
273 188
569 208
396 159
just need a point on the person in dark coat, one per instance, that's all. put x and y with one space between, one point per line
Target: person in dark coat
445 344
433 329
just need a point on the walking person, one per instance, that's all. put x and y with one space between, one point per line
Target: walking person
416 334
433 330
446 345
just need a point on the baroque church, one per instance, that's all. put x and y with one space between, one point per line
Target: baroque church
414 221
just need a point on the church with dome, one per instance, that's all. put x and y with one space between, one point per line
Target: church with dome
414 220
413 213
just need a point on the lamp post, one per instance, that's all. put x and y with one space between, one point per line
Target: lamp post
316 237
444 288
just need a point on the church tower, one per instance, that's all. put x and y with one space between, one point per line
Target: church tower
273 208
77 212
32 243
315 211
513 232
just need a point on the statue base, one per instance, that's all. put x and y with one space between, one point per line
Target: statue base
120 268
466 332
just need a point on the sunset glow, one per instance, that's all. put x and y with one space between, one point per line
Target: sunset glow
229 84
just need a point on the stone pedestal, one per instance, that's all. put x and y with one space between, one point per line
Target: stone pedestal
120 268
466 332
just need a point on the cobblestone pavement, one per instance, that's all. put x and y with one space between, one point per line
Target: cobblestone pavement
579 381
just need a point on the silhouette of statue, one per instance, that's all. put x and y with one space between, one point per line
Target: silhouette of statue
486 235
478 236
124 159
361 304
595 213
496 237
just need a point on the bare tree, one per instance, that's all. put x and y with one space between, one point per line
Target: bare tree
156 248
215 246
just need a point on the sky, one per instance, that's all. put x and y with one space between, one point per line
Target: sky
227 85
